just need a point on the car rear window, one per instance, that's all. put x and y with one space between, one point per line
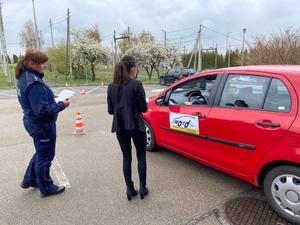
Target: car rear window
278 98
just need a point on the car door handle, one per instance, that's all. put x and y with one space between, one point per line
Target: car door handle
267 124
199 114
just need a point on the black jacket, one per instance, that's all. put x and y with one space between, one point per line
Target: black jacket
126 102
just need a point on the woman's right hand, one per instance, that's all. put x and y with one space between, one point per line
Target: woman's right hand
67 102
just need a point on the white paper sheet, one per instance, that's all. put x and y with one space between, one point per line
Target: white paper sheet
64 94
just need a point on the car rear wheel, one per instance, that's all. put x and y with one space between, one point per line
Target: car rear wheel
150 138
282 189
162 81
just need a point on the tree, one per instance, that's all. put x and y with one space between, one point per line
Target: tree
57 58
146 37
173 56
93 33
86 51
15 59
8 59
28 36
279 48
149 56
125 44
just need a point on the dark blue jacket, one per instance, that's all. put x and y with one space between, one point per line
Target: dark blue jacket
37 99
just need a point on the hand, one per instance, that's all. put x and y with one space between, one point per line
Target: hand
187 103
67 102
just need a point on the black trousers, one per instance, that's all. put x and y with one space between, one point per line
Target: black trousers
139 139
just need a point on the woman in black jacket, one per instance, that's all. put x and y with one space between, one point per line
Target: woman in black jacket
126 101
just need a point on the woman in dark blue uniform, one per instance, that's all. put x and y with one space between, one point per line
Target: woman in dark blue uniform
126 101
40 113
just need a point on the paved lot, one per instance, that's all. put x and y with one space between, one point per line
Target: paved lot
181 190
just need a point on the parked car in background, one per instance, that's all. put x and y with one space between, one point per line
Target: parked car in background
175 74
244 121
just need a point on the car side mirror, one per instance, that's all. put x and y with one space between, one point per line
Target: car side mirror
160 100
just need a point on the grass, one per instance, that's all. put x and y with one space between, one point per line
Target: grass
103 75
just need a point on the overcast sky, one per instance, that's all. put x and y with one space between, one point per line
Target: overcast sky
180 18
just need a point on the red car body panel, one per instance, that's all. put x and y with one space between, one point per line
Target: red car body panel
272 144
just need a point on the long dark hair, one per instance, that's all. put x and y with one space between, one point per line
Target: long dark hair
32 56
122 70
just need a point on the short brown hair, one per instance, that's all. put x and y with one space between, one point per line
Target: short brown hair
32 56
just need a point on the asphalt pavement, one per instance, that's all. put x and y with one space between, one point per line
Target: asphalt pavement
181 191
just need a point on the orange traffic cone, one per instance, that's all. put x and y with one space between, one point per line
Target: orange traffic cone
82 92
79 125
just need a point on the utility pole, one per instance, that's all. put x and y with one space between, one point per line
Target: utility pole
4 55
229 55
52 39
128 35
242 61
68 63
216 56
165 38
227 52
200 51
194 51
41 40
123 36
38 42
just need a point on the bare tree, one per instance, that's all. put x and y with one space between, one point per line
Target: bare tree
279 48
27 35
94 33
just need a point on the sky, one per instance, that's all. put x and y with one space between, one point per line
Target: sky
180 19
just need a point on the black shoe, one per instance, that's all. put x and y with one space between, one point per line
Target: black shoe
131 192
55 191
143 191
25 185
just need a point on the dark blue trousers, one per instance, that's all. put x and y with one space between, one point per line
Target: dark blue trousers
38 170
139 139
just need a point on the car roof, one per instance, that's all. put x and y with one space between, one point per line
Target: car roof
279 69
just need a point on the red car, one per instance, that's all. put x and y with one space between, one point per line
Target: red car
244 121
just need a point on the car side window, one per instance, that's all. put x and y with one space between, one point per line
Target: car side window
245 91
278 98
171 71
193 92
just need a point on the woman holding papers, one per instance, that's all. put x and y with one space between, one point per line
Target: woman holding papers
126 101
40 112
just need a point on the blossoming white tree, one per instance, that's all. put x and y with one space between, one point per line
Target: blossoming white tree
151 56
86 51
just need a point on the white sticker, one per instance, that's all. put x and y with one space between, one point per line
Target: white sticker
281 108
184 122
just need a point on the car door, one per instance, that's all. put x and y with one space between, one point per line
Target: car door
182 118
250 114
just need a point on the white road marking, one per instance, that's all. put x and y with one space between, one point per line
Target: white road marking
73 89
10 95
157 90
94 89
59 173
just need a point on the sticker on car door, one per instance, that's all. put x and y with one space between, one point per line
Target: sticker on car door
184 122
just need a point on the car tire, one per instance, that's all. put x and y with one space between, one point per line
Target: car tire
162 81
150 138
282 189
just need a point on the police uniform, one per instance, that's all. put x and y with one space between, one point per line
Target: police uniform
40 113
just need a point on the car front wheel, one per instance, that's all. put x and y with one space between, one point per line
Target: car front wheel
150 139
282 189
